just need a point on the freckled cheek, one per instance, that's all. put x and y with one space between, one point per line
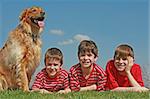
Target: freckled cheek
80 59
116 64
48 69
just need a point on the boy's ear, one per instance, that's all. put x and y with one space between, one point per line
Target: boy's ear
96 58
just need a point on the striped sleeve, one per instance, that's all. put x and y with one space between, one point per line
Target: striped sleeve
74 81
102 78
65 78
38 81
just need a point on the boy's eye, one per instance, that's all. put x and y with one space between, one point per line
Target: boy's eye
89 54
82 55
49 64
124 58
55 64
85 55
117 58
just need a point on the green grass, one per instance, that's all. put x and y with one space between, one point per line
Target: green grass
18 94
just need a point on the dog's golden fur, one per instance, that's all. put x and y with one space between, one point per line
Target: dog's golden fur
22 51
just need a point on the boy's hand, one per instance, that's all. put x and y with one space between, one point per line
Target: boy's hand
91 87
130 64
40 91
67 90
140 89
44 91
61 92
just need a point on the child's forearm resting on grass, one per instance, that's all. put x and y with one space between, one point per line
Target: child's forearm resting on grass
40 90
92 87
131 89
67 90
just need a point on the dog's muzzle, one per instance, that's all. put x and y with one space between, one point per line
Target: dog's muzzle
39 21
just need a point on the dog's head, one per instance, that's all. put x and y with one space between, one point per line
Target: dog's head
33 16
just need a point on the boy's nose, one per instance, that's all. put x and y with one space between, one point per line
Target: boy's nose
85 57
120 60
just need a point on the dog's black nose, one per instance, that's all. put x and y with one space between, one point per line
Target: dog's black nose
42 13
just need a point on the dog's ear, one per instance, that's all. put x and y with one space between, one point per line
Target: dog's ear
23 15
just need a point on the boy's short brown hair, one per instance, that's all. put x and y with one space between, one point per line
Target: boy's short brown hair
123 50
54 53
87 46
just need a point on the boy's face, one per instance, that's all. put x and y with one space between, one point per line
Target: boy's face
87 59
120 63
52 67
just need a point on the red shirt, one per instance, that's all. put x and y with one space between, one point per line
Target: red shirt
114 79
77 80
43 81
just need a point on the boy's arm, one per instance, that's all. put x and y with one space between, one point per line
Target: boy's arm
37 87
67 90
65 84
100 82
37 84
131 89
102 79
132 80
75 86
87 88
74 82
40 90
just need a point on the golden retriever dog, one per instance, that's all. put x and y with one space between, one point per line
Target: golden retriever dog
22 51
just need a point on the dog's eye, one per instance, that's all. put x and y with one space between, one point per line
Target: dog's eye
33 10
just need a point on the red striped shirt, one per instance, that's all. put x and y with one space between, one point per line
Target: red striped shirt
43 81
97 76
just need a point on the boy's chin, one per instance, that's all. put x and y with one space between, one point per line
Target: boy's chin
86 66
120 69
52 75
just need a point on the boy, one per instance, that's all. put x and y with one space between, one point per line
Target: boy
52 78
122 73
86 75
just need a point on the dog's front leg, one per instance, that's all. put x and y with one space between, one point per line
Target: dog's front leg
3 83
22 80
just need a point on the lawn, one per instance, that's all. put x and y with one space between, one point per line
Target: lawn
74 95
